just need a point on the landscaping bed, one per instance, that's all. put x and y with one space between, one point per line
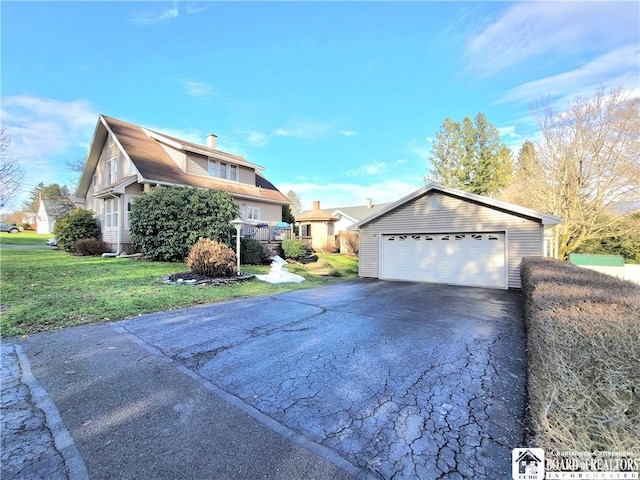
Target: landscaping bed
583 344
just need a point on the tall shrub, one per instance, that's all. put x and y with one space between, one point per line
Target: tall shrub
211 259
167 221
74 226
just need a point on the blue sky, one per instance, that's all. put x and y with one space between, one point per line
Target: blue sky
339 101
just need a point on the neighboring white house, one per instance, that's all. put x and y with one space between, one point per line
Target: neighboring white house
126 160
443 235
49 211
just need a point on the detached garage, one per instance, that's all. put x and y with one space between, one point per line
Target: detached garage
443 235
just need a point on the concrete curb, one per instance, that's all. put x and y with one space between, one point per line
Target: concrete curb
63 442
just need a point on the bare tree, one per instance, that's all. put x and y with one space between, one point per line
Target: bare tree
585 169
11 173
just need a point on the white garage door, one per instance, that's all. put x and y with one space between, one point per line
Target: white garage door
476 259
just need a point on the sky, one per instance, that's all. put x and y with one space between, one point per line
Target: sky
338 101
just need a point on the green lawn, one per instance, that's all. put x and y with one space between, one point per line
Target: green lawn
28 237
50 289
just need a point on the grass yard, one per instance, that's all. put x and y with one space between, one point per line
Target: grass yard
50 289
28 237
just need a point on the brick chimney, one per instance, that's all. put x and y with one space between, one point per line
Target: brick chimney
316 204
369 203
212 141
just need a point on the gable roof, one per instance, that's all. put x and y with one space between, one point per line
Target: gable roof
153 164
57 207
544 218
358 212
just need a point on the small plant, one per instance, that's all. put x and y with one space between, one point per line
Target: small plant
74 226
211 259
90 247
294 249
330 247
251 251
349 242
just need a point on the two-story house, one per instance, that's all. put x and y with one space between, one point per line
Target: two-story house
125 160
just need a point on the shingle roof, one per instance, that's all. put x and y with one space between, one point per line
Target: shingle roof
316 215
57 207
358 212
154 164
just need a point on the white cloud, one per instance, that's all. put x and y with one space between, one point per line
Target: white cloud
348 133
372 168
258 139
618 67
151 17
197 89
348 194
555 30
309 130
47 133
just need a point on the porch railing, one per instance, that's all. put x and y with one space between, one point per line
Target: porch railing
266 233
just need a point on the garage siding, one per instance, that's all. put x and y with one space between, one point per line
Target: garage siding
440 213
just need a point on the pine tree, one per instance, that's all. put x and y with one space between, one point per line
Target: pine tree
470 156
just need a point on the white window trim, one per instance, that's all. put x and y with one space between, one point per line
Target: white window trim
253 213
112 170
233 173
212 168
111 213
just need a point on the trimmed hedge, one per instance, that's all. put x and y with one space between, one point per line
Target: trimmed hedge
583 344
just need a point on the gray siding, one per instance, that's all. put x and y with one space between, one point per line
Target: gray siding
450 214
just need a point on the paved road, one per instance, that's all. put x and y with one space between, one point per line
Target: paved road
364 379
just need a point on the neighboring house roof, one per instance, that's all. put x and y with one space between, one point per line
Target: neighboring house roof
544 218
154 165
315 215
55 208
357 213
353 213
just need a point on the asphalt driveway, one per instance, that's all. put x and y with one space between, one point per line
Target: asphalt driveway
376 379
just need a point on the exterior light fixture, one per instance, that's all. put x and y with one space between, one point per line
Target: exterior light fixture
238 223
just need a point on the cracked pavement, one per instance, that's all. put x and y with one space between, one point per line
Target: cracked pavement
401 380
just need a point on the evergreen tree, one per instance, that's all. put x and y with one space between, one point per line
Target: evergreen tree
470 156
46 192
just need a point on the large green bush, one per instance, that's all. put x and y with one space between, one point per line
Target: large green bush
74 226
167 221
251 252
294 249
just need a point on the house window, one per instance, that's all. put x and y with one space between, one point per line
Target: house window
111 212
306 230
223 170
211 168
253 213
128 201
112 171
234 173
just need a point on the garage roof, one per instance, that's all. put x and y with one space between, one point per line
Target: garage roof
544 218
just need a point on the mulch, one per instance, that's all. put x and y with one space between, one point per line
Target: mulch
189 278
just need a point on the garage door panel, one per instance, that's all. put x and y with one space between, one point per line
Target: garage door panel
476 259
